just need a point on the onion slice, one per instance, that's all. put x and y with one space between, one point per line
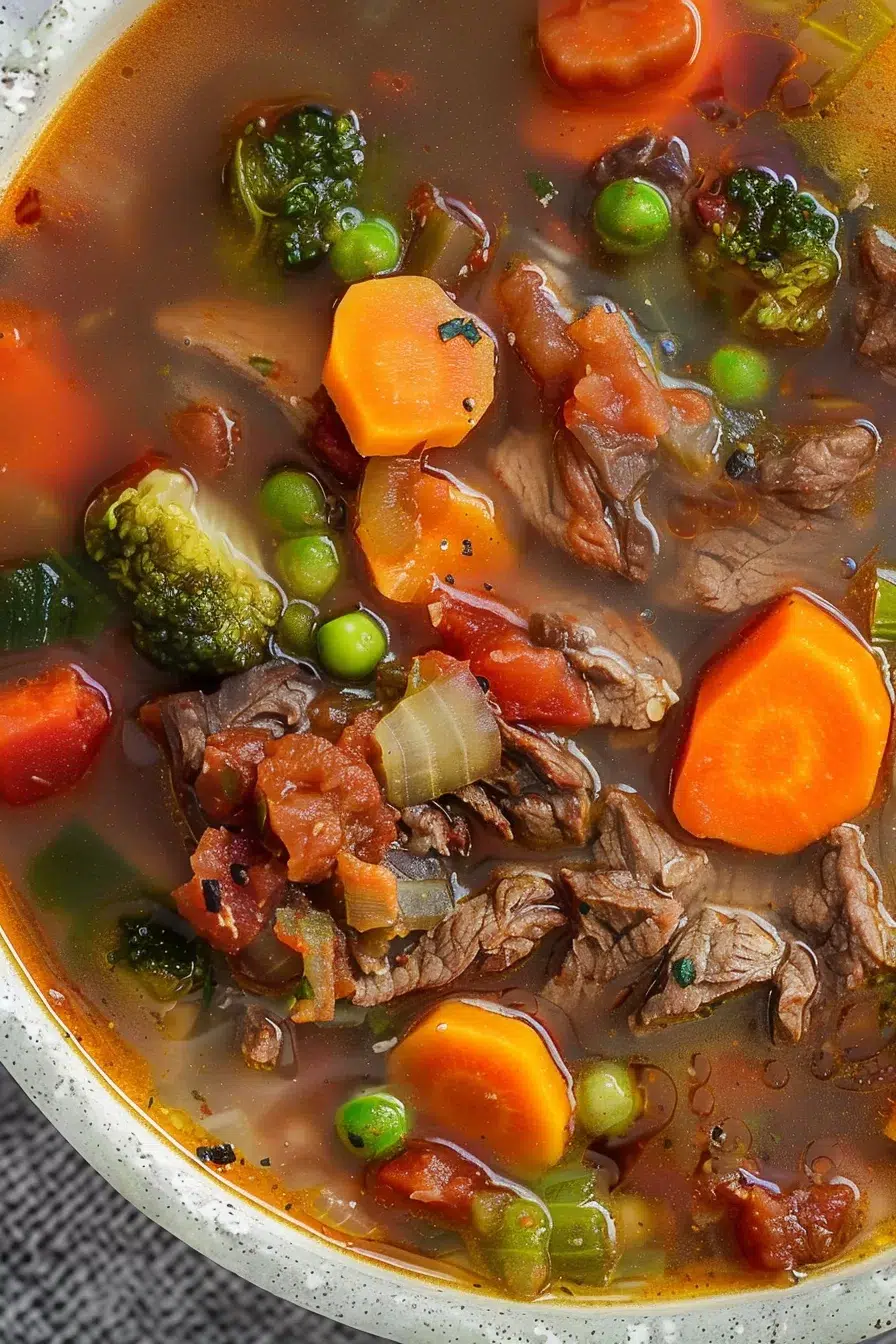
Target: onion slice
438 739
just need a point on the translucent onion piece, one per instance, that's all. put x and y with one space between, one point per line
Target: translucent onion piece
438 740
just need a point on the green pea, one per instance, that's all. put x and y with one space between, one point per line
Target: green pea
608 1099
370 248
352 645
631 216
295 633
309 566
294 502
739 376
373 1125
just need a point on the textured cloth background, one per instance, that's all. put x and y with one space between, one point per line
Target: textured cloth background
79 1265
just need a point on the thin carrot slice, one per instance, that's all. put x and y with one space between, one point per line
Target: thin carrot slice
488 1077
370 890
416 527
616 46
788 733
406 367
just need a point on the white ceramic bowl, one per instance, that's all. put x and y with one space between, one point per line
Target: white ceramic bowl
43 55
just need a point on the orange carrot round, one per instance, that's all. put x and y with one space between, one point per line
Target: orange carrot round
788 733
489 1077
406 367
616 45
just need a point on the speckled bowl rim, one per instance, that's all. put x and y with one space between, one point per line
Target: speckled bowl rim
38 66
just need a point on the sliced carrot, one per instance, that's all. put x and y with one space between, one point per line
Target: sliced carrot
788 733
616 46
49 424
416 527
370 890
51 729
617 390
406 367
489 1077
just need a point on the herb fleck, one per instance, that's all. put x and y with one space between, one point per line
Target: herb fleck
460 326
211 894
544 189
261 364
304 990
684 971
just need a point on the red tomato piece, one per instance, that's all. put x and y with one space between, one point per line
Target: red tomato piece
51 728
234 889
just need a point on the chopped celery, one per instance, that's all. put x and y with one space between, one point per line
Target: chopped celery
883 607
47 600
837 36
77 870
513 1234
423 902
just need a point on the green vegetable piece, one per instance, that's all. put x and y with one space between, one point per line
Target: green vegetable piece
372 247
583 1236
460 326
740 376
684 971
294 502
352 645
445 243
883 609
608 1099
631 216
290 183
49 600
543 187
200 601
308 566
166 963
513 1236
373 1125
79 870
295 633
262 364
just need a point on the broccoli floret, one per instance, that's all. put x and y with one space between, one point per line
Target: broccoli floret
199 604
166 964
292 182
778 243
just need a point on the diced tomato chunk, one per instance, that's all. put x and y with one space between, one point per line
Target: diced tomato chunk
226 783
782 1231
615 389
431 1181
51 728
233 891
530 684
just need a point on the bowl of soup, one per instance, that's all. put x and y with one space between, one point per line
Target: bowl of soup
447 606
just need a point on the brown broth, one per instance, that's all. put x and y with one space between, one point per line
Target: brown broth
128 176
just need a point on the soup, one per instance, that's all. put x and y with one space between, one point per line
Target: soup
445 609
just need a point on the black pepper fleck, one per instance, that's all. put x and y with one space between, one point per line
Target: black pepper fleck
355 1140
449 578
211 894
239 873
265 1162
219 1154
466 546
469 404
484 683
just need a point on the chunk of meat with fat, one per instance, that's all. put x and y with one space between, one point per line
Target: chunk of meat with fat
261 1039
275 348
875 306
432 829
622 927
496 928
630 839
780 1231
796 981
844 909
719 953
634 680
817 464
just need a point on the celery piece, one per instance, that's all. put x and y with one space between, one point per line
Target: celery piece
883 607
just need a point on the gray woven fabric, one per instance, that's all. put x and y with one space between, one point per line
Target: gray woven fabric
79 1265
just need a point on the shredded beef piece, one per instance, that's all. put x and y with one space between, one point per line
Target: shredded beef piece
633 678
875 307
622 464
797 983
846 912
557 491
272 698
734 567
622 927
631 839
431 829
662 160
552 760
778 1231
475 797
498 927
266 345
720 953
549 821
818 464
538 323
261 1041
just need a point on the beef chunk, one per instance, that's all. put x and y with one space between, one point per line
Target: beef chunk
262 1039
496 928
818 464
482 805
720 953
431 828
845 911
633 679
796 981
875 308
734 567
273 698
778 1231
549 821
548 758
621 927
664 161
631 839
537 324
622 464
556 489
